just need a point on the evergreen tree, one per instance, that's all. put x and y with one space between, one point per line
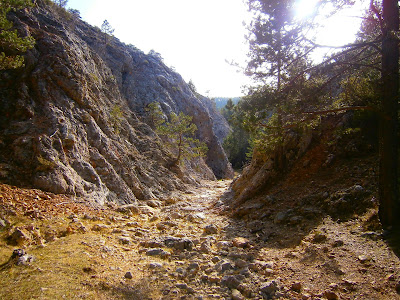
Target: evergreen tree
179 132
11 45
228 110
154 114
107 30
61 3
279 56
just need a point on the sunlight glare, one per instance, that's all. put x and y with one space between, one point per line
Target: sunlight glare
305 8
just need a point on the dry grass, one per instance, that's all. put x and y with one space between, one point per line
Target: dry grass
76 265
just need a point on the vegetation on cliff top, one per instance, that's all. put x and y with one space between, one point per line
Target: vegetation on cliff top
11 43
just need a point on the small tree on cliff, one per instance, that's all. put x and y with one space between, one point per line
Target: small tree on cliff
11 45
107 30
61 3
179 132
155 115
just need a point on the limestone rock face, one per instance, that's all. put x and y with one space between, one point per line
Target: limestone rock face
71 118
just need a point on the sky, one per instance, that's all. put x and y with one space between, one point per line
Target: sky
196 37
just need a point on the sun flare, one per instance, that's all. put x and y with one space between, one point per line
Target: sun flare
305 8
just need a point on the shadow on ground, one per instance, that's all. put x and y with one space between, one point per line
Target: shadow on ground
282 216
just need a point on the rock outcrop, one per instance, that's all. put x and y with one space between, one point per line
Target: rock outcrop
308 152
71 118
263 170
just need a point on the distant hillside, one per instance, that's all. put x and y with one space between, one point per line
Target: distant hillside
220 102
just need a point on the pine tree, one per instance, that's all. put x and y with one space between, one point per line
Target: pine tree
11 45
272 34
179 134
107 30
61 3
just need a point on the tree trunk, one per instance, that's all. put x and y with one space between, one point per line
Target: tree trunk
280 151
179 151
389 209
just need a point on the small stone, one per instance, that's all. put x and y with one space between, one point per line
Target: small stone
196 218
205 247
176 215
151 244
226 266
128 275
261 265
350 284
333 286
178 243
99 227
87 217
161 226
182 286
124 240
364 258
357 188
153 203
211 229
268 272
193 266
240 263
224 245
157 252
215 259
240 242
296 287
236 295
214 279
154 218
23 258
331 295
246 290
165 225
270 288
19 237
231 282
2 223
155 265
282 216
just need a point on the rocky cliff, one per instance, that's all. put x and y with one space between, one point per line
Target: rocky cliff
72 117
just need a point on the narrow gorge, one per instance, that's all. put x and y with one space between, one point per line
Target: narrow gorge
58 131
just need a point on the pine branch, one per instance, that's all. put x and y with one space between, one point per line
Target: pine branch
314 114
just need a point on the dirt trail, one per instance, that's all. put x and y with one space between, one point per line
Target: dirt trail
189 249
